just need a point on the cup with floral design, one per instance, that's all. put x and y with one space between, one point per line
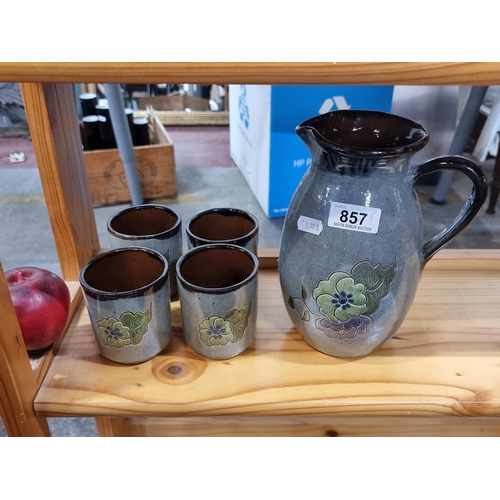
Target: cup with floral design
218 298
151 226
127 293
223 225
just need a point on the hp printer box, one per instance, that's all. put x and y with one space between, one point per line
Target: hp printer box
263 143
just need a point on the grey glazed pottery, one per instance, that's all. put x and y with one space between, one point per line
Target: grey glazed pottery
352 248
127 293
151 226
223 225
218 299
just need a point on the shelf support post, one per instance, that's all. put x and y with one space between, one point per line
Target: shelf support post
54 128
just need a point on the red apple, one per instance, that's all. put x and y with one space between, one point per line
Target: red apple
41 300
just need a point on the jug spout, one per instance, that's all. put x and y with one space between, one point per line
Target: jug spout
309 136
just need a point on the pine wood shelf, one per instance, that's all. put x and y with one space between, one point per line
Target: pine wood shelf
439 374
296 73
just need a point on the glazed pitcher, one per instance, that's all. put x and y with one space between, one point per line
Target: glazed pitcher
352 249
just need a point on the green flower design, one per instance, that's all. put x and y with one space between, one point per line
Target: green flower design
218 330
129 329
340 298
215 330
113 332
346 301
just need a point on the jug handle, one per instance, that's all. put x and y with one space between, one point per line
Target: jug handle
471 208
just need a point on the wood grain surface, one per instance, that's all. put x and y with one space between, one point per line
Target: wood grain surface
343 73
242 426
443 366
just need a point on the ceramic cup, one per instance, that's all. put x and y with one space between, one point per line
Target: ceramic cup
151 226
127 293
223 225
218 299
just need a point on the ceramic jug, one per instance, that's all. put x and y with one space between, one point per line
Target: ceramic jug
352 248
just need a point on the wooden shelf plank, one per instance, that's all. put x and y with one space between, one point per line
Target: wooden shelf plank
343 73
382 426
444 362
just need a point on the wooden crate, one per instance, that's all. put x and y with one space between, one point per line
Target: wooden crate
155 166
173 102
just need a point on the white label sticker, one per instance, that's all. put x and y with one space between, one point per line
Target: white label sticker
354 217
309 225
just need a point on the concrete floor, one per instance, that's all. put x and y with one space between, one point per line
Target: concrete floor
27 240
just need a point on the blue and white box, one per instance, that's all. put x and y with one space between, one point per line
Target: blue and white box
263 143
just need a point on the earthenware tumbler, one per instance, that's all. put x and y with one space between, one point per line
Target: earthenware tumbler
352 248
218 299
151 226
223 225
127 294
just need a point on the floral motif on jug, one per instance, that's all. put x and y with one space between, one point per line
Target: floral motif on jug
344 303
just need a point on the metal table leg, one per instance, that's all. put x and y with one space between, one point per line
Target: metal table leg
494 186
460 139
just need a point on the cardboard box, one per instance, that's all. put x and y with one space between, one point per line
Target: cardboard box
155 166
263 143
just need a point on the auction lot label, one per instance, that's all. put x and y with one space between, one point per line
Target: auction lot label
354 217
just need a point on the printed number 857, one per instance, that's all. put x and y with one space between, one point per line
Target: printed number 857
352 217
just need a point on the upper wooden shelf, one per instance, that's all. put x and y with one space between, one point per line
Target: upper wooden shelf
414 73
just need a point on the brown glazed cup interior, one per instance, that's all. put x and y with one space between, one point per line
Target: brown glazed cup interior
216 266
143 220
222 224
124 270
